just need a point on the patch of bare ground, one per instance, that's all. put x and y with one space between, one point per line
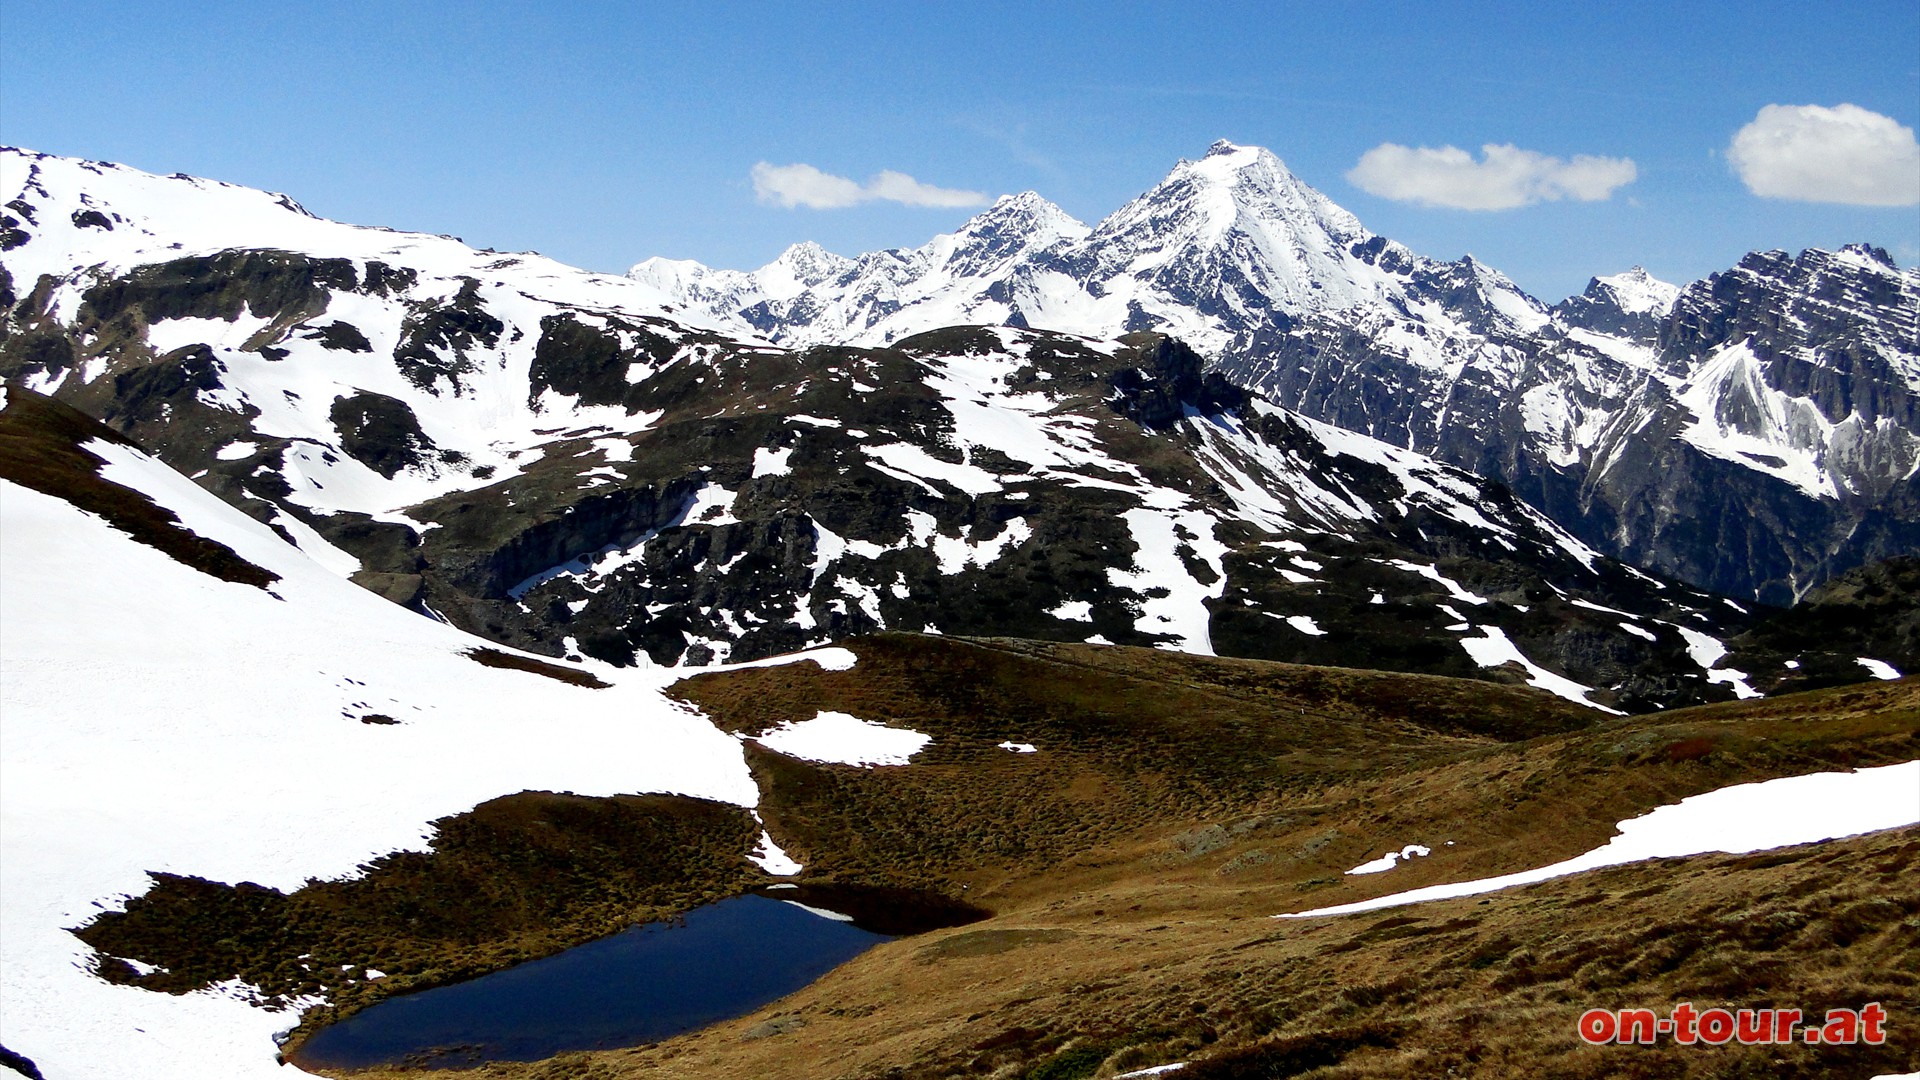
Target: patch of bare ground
494 658
514 879
1176 803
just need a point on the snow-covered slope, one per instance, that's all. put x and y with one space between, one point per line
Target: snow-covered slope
159 718
382 315
58 213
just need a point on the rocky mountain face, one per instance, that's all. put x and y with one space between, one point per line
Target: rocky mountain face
1871 612
1774 444
560 462
1751 433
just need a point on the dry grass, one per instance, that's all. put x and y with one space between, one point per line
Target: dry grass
1133 863
1126 737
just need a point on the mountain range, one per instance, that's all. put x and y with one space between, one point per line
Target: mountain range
577 465
1753 433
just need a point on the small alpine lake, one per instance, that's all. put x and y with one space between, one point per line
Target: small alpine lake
644 984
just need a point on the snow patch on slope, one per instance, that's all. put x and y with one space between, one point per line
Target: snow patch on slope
1170 548
842 739
1745 817
1494 649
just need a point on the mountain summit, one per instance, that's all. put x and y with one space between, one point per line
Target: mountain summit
1238 228
1225 245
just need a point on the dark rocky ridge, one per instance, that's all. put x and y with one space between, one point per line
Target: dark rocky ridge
1872 611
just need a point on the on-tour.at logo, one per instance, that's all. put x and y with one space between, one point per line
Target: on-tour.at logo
1686 1025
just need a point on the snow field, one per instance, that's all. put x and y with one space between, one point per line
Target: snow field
159 719
1738 819
1160 538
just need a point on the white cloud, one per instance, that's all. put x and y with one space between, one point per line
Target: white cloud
1811 153
804 185
1505 177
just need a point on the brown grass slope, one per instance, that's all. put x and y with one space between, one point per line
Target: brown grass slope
1178 802
1128 738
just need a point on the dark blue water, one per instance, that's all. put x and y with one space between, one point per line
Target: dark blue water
638 986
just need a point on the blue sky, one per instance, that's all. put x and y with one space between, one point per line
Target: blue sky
602 133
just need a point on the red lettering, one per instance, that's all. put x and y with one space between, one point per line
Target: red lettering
1683 1020
1843 1026
1871 1017
1637 1026
1755 1025
1716 1026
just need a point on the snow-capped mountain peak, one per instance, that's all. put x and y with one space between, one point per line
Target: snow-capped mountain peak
809 295
1026 212
1240 204
1228 244
1217 246
1014 226
1629 305
1638 291
801 267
